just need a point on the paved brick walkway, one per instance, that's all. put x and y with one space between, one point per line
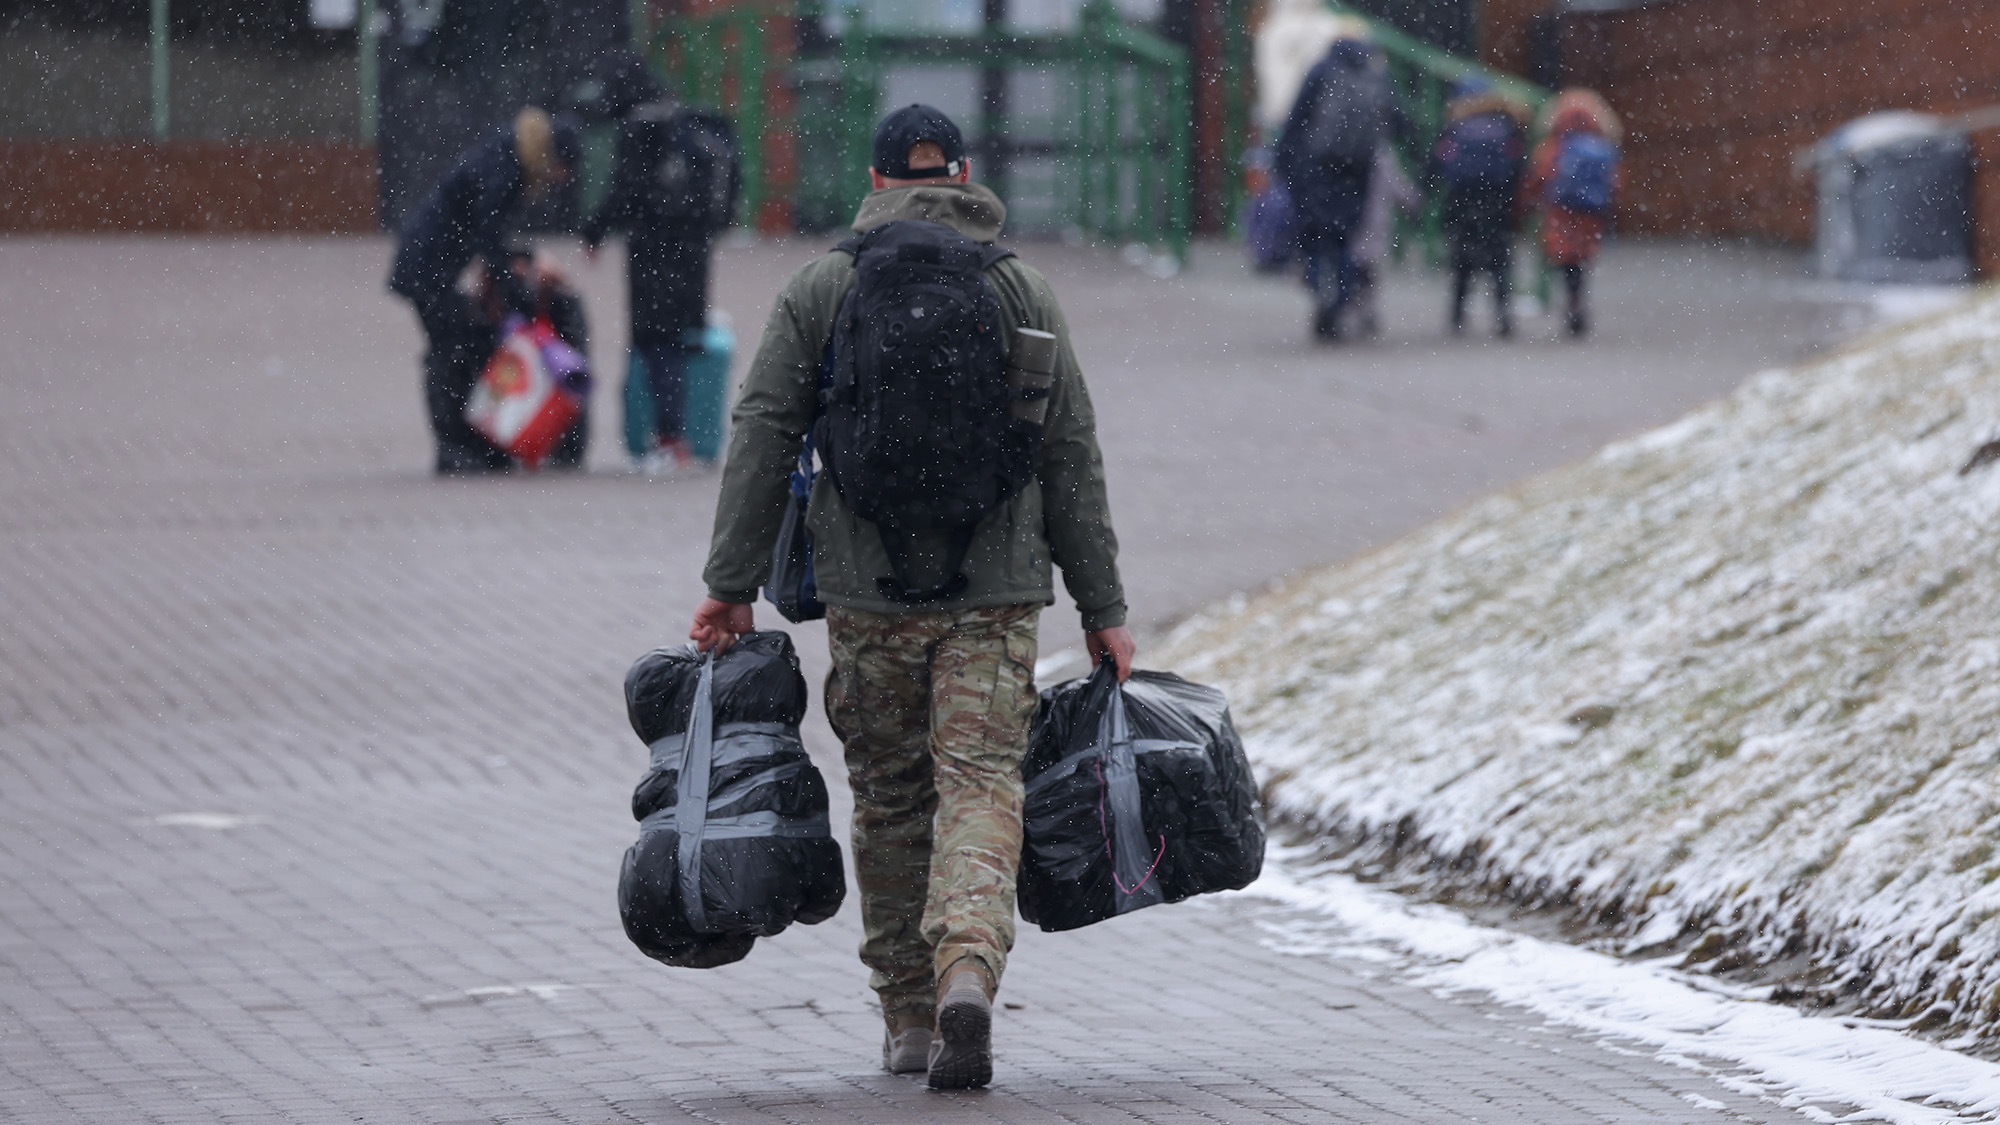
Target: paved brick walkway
315 768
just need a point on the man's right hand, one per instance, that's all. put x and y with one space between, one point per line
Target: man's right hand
717 624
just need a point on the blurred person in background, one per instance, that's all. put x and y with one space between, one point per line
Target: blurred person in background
1477 165
674 181
1326 157
464 221
1575 179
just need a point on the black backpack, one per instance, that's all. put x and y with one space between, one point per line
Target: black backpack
1350 116
917 431
697 170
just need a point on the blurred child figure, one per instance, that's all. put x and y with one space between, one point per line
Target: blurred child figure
1574 178
1477 165
1390 191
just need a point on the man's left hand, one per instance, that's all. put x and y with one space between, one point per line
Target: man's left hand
1117 641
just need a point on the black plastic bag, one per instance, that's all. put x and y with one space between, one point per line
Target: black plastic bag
1136 795
724 735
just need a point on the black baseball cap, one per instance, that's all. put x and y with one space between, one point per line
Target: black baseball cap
905 129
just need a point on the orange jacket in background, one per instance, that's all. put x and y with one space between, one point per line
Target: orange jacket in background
1570 238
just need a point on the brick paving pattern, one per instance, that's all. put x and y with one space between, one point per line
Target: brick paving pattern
316 769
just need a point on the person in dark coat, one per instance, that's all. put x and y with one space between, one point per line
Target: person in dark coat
655 182
1477 163
1326 156
466 217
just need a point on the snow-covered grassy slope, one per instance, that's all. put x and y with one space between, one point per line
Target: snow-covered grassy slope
1731 688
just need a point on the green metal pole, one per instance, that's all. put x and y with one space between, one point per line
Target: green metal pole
366 46
162 111
1146 167
751 73
1179 183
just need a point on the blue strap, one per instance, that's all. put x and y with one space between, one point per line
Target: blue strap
802 477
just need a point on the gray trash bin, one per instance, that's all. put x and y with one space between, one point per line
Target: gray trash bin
1895 194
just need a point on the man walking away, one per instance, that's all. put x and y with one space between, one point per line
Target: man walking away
1477 164
932 624
673 187
466 217
1575 179
1325 157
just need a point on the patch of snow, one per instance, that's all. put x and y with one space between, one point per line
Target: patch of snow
210 821
1729 681
1748 1046
546 992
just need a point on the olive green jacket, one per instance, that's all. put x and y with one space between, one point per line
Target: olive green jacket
1062 517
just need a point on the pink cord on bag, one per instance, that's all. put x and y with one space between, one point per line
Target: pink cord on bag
1104 828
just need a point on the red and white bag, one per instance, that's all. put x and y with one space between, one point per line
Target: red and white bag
531 391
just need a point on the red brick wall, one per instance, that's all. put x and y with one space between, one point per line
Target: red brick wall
1718 95
315 187
1503 32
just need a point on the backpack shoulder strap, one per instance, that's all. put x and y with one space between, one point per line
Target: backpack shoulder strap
991 255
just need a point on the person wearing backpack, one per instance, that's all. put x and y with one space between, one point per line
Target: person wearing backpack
466 218
1477 164
1575 179
674 179
1325 157
960 469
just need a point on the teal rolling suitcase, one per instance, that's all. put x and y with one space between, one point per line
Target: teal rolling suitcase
707 379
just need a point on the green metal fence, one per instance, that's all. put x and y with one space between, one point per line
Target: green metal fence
1114 139
723 59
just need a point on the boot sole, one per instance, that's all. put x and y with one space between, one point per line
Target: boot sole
965 1046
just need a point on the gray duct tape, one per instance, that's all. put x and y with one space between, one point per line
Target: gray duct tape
730 794
732 742
1132 857
747 826
1089 754
691 814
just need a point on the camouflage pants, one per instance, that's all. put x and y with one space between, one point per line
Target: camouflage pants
933 710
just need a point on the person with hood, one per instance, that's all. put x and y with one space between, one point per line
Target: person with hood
1326 157
467 217
932 694
1575 179
673 187
1477 165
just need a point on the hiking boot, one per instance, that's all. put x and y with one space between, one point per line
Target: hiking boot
906 1043
1578 323
962 1051
1506 328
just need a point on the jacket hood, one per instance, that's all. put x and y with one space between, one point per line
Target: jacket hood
970 209
1577 110
1486 101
